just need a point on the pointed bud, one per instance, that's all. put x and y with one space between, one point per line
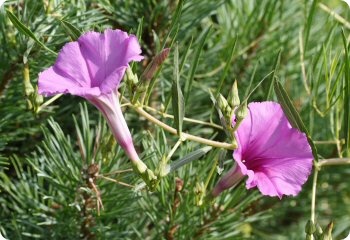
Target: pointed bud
36 100
327 234
318 231
29 104
223 105
233 97
156 62
131 77
310 227
241 112
28 87
39 99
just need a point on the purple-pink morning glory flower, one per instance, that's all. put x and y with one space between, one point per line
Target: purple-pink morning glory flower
92 68
276 157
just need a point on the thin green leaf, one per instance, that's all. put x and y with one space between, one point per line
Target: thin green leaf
189 158
174 28
188 84
71 30
185 55
346 97
292 114
174 22
177 97
288 107
309 22
139 30
23 29
256 87
273 77
4 163
227 66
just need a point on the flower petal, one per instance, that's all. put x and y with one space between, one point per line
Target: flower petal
51 83
93 65
68 75
276 157
107 56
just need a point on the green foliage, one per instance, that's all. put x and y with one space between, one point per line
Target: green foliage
178 99
56 171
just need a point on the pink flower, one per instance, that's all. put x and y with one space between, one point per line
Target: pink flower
93 68
276 157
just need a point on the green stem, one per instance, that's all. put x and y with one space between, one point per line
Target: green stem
211 174
184 136
334 162
177 144
326 142
166 115
313 198
48 102
336 16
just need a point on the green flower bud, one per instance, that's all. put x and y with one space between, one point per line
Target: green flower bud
318 231
224 106
28 87
327 234
310 227
241 112
39 99
308 237
233 97
36 100
131 77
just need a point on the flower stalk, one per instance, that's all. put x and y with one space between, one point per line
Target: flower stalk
184 136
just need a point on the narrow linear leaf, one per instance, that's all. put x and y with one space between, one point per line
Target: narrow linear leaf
4 163
346 97
177 97
188 84
24 30
173 30
288 107
174 21
310 17
189 158
292 114
250 92
71 30
227 66
185 55
273 77
140 29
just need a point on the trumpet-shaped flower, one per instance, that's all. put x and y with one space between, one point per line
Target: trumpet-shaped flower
92 68
276 157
